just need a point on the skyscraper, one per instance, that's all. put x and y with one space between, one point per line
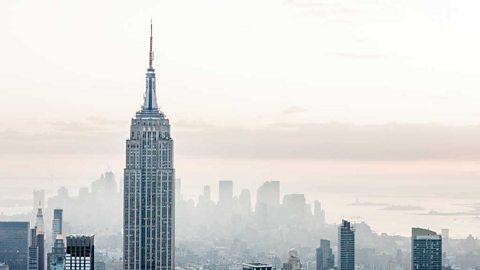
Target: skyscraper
40 230
80 254
294 208
445 240
325 258
319 213
14 244
149 187
269 194
346 246
426 250
225 194
57 223
267 203
206 195
33 250
57 256
245 202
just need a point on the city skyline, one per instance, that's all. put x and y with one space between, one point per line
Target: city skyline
351 92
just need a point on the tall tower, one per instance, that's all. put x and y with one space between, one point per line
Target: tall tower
426 250
40 231
346 246
57 223
324 256
149 186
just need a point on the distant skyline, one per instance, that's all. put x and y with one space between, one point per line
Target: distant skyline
381 95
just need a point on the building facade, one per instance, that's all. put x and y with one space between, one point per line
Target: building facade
57 223
40 242
324 256
80 252
426 250
33 250
149 187
56 259
14 244
346 246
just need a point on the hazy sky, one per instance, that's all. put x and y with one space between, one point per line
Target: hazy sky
377 93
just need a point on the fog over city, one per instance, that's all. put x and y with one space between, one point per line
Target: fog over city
287 116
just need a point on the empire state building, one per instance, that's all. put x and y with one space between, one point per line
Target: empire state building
149 203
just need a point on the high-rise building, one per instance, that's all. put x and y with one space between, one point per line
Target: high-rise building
33 250
256 266
57 223
324 255
40 231
149 187
14 244
445 239
245 202
106 185
426 250
294 208
319 213
269 194
206 196
267 203
80 253
346 246
56 259
225 194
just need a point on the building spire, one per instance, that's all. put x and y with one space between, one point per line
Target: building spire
151 45
150 99
39 221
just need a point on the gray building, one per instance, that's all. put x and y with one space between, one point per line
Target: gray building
40 231
346 246
149 187
80 252
324 256
426 250
33 250
57 223
14 244
225 194
56 259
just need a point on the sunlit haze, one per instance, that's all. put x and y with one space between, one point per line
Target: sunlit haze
369 106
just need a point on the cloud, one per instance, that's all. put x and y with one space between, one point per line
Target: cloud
335 141
437 213
332 141
191 124
403 208
294 110
358 203
90 124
